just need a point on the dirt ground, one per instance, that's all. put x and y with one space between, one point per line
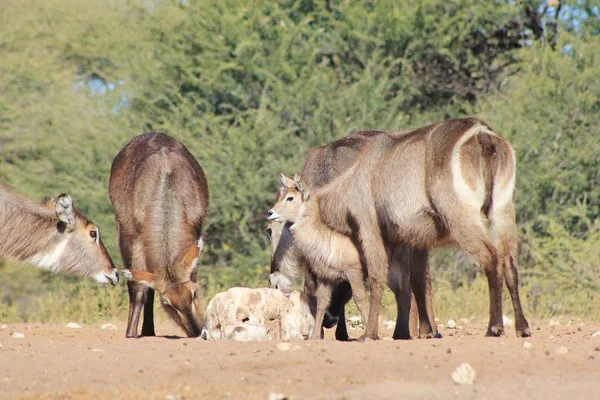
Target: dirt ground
53 361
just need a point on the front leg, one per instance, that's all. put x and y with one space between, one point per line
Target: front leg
324 290
137 297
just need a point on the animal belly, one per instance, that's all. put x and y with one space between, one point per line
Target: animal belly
420 230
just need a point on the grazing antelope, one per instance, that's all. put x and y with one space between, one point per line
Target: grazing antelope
54 236
447 183
323 164
160 196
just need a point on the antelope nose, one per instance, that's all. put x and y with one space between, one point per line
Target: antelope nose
269 213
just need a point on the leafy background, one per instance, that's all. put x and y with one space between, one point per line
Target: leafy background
250 86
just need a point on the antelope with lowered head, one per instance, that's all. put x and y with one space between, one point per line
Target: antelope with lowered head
323 164
53 235
447 183
160 196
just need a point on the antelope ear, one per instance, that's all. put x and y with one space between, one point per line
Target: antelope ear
64 209
301 188
142 277
48 203
286 182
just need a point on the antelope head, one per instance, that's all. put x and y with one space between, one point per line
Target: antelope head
178 291
292 194
79 249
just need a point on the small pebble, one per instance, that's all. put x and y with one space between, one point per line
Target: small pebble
73 325
287 346
108 327
97 350
451 324
464 375
4 326
18 335
448 351
527 344
561 350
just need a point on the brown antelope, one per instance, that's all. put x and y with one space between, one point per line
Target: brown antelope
160 196
54 236
448 183
323 164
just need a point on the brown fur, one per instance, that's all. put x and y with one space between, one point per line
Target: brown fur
416 190
160 196
31 233
323 164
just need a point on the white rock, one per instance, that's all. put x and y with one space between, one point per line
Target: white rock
464 375
451 324
390 324
508 321
171 397
97 350
596 334
527 344
18 335
554 322
4 326
108 327
246 314
73 325
1 345
288 346
561 350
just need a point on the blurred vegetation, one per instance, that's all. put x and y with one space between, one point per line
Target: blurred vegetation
250 86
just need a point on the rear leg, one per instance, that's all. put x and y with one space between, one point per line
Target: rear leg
420 281
148 324
413 322
399 283
511 272
472 236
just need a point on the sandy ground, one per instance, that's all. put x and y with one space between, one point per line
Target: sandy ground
53 361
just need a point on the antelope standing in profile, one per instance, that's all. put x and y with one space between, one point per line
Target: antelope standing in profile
160 196
448 183
54 236
322 165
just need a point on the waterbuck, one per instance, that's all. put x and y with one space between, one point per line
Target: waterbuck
447 183
322 165
160 196
53 235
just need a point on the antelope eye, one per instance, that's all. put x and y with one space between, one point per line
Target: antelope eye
93 234
269 232
290 198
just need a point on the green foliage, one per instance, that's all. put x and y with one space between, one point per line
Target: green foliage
250 87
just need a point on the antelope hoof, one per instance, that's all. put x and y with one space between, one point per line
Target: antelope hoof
523 332
432 335
495 331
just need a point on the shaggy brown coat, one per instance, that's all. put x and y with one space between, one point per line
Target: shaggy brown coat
160 196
